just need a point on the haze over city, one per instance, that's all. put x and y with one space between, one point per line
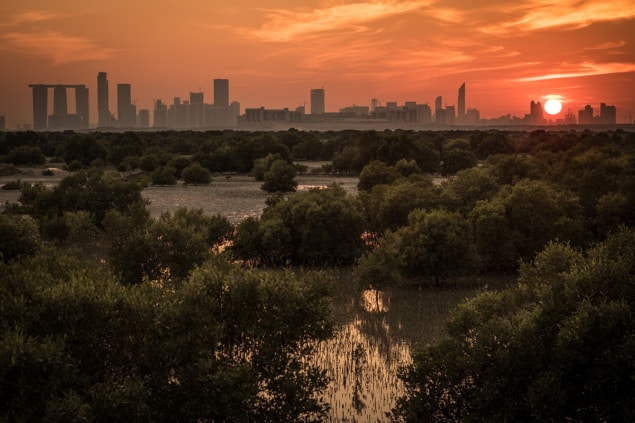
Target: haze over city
275 53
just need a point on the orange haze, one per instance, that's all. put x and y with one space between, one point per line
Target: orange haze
274 52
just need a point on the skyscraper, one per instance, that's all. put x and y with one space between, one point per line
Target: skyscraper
81 105
60 102
103 113
461 104
608 114
126 113
439 112
536 113
221 92
40 107
317 101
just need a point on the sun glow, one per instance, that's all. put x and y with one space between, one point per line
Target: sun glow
553 106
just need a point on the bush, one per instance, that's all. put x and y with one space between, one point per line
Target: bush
196 174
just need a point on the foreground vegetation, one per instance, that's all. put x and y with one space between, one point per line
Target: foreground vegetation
177 317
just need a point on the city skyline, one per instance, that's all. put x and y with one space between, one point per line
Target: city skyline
393 51
196 114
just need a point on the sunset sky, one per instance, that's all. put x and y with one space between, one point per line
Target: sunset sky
273 52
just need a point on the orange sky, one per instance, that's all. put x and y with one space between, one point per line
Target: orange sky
274 52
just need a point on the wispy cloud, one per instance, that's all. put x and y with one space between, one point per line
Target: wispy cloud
286 25
58 47
29 16
584 69
544 14
609 45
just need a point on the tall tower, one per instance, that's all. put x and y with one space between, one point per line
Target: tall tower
317 101
536 113
221 92
103 114
126 113
60 101
439 111
40 106
81 105
461 104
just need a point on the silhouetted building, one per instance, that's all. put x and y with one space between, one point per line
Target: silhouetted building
160 114
144 118
81 105
177 114
355 111
536 113
461 104
261 115
197 110
126 111
104 117
585 116
424 113
569 118
450 115
40 107
439 112
472 117
3 123
608 114
221 92
317 101
374 103
60 119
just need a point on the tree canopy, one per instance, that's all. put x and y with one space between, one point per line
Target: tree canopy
557 347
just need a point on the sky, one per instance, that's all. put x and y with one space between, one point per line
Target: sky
274 52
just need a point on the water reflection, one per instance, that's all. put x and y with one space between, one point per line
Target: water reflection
375 301
363 371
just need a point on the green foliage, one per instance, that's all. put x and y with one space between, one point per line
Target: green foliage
376 173
164 175
280 177
263 164
226 345
166 249
19 236
557 347
149 163
26 155
92 191
14 185
457 159
387 206
314 227
81 148
196 174
435 244
469 186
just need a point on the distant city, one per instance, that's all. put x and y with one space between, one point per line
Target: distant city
195 113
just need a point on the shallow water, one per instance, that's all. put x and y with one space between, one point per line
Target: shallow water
234 196
375 337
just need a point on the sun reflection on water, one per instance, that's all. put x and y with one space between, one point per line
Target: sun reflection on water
363 371
375 301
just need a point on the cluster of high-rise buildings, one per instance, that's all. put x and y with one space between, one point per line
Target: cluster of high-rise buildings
194 113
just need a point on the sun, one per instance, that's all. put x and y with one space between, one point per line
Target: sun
553 106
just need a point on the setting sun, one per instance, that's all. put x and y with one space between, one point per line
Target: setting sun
553 106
